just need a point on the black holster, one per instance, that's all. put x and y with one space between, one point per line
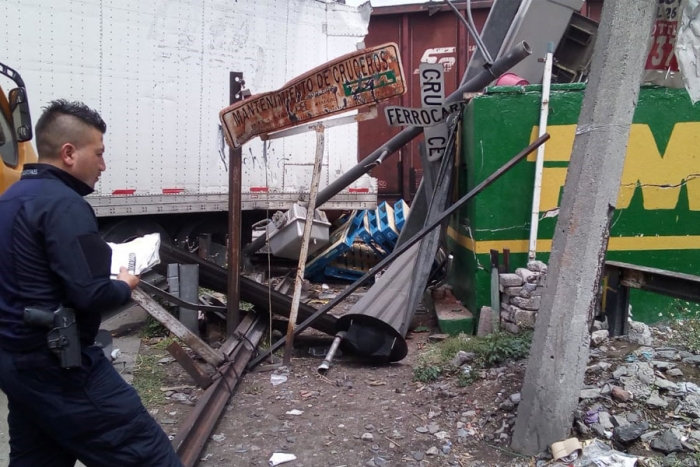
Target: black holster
63 338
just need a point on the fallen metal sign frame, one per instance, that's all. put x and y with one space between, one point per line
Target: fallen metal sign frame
409 243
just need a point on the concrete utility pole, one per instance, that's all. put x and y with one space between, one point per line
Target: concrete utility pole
559 352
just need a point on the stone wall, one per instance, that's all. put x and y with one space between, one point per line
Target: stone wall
521 296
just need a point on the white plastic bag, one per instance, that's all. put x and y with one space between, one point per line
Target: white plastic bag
599 454
145 251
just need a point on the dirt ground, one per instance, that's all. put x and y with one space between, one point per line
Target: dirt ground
356 415
360 414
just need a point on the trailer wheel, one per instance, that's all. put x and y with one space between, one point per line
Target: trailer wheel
124 230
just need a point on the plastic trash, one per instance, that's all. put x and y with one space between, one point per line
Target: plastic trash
295 412
598 454
591 417
566 451
280 458
277 379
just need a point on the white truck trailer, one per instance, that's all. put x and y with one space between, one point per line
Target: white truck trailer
158 72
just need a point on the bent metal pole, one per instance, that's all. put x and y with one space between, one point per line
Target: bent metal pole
325 366
408 244
514 56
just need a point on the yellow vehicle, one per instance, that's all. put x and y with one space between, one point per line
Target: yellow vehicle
15 130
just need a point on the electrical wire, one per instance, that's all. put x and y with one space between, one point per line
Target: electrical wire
484 51
471 27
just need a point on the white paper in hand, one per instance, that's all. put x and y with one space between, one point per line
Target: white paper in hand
138 255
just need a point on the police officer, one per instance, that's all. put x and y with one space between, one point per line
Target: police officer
51 255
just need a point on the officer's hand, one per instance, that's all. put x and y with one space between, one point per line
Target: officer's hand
130 279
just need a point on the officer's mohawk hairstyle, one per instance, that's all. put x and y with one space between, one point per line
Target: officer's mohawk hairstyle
76 109
53 131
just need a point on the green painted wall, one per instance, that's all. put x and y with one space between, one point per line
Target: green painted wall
658 218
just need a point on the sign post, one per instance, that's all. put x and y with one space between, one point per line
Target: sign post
432 95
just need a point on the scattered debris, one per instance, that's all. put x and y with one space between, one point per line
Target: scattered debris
566 451
600 454
219 438
281 458
277 378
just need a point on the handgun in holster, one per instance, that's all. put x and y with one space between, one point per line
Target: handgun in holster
63 338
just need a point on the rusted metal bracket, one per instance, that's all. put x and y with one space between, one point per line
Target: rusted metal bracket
199 347
200 378
620 277
198 426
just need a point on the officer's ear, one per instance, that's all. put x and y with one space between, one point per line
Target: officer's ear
67 154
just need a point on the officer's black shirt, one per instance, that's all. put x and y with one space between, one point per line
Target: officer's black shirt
50 254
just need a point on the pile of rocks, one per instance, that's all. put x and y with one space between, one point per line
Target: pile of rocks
645 398
521 296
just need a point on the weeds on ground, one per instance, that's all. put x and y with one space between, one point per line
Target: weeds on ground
153 328
426 373
266 342
673 461
148 378
164 343
687 334
488 351
685 324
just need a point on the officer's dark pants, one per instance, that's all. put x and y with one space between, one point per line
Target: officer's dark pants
57 416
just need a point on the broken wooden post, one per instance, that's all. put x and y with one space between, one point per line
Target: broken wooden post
560 344
310 211
161 315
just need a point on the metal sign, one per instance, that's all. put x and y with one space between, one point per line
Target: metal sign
353 81
423 117
432 114
432 95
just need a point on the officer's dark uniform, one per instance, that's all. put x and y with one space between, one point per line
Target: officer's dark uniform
51 254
